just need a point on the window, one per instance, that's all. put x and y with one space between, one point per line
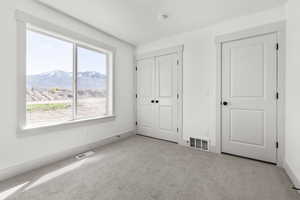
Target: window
91 83
66 81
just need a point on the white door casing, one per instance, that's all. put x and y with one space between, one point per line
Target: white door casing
249 85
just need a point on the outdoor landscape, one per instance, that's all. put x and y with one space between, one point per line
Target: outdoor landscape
50 96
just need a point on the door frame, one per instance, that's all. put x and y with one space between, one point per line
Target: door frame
280 29
175 49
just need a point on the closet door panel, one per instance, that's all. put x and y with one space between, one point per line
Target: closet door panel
166 97
157 103
145 96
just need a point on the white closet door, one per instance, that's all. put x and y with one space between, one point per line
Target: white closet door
157 83
249 97
166 109
146 94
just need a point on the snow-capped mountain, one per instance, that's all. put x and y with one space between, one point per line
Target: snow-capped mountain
62 79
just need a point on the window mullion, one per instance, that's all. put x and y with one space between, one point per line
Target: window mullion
75 67
108 85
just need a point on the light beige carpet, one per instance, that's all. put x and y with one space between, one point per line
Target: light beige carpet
141 168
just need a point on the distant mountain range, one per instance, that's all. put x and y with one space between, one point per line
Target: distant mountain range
63 80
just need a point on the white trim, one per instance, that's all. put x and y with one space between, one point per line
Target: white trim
35 164
217 146
180 91
21 71
176 49
40 128
45 25
26 21
179 51
291 174
278 28
252 32
85 23
135 110
281 64
75 83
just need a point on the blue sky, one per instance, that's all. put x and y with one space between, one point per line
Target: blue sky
45 54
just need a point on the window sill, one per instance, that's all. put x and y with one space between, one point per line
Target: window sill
32 129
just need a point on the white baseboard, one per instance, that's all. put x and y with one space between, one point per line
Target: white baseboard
213 149
291 174
182 142
34 164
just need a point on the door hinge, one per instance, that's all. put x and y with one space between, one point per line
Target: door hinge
277 145
136 123
177 62
136 68
177 96
177 130
277 46
277 95
136 96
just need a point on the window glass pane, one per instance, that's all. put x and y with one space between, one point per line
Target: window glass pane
49 93
91 83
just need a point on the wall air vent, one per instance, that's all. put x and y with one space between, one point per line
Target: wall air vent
199 144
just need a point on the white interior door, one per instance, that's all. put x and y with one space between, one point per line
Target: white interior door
157 84
146 95
249 85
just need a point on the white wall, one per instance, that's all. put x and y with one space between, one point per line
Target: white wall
14 149
292 151
199 69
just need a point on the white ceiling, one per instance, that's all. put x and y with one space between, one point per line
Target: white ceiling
137 21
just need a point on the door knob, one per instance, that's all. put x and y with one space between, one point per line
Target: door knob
156 101
225 103
152 101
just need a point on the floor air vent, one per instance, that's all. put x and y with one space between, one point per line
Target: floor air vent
199 144
84 155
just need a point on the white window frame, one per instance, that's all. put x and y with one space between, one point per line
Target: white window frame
27 22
